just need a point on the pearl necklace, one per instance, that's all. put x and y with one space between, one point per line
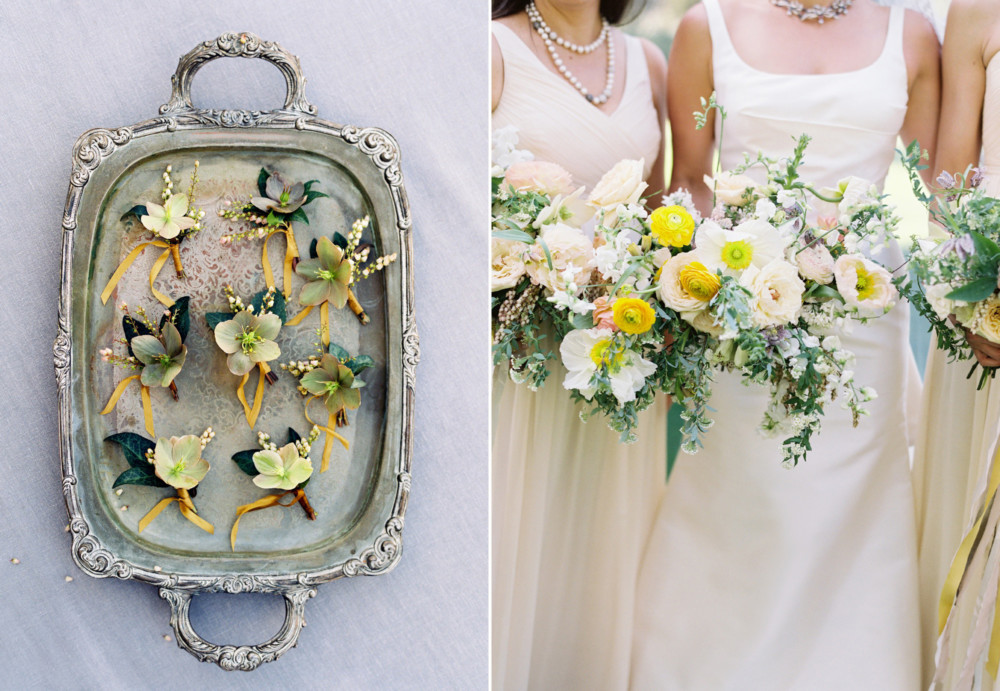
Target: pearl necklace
794 8
551 39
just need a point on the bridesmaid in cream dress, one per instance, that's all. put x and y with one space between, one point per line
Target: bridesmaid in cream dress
758 577
956 454
571 505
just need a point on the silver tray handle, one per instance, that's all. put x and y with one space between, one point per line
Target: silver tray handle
238 45
244 658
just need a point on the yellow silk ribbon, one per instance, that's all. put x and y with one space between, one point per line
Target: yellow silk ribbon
268 501
147 407
258 397
331 434
187 510
153 272
294 321
324 319
961 562
291 252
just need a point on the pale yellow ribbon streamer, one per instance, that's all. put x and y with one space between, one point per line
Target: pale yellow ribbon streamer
291 252
297 319
266 502
153 273
324 320
258 397
331 434
147 407
187 510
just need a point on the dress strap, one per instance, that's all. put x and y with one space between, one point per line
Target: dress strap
717 25
894 39
510 43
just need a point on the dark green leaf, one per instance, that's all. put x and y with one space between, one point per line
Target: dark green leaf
277 308
312 249
293 436
984 246
977 290
274 219
139 476
139 210
314 194
302 485
309 183
338 352
244 459
360 363
262 177
180 316
298 216
216 318
496 182
340 241
134 446
818 290
132 328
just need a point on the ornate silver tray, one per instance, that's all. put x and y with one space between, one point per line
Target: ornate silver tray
361 499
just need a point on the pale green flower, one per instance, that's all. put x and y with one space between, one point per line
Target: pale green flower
335 382
168 220
329 275
248 339
162 359
178 461
281 469
281 197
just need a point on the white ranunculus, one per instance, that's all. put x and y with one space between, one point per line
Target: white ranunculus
751 243
864 284
777 293
816 263
506 263
582 350
622 185
732 189
568 246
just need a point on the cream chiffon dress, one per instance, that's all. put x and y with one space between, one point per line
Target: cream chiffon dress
572 506
761 578
951 471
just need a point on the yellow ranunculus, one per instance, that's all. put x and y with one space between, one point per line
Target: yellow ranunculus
699 282
633 315
672 226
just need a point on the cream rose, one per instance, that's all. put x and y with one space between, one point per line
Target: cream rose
623 184
671 290
935 295
988 319
539 176
731 189
568 246
777 293
864 284
506 263
816 263
703 321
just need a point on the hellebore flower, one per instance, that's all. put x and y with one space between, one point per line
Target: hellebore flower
335 382
178 461
282 469
248 339
281 198
161 360
329 275
168 220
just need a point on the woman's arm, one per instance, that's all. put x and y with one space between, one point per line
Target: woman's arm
657 66
923 63
496 74
690 80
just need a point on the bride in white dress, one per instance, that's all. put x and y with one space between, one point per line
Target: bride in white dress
572 506
757 577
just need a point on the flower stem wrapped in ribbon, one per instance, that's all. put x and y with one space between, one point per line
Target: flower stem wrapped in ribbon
175 462
157 351
332 377
277 205
287 468
170 223
332 270
247 338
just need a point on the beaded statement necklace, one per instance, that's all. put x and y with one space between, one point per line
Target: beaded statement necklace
552 39
796 9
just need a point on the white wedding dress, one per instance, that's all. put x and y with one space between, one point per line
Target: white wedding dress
758 577
572 506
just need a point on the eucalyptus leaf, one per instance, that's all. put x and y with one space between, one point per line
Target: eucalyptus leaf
977 290
134 446
582 321
216 318
139 476
517 235
180 316
244 459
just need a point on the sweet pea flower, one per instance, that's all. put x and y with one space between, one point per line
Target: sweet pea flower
168 220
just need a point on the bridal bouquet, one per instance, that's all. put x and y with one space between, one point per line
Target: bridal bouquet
765 289
954 279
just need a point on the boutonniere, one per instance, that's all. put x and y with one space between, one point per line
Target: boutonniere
333 269
331 377
278 205
175 462
170 223
156 350
246 335
287 469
